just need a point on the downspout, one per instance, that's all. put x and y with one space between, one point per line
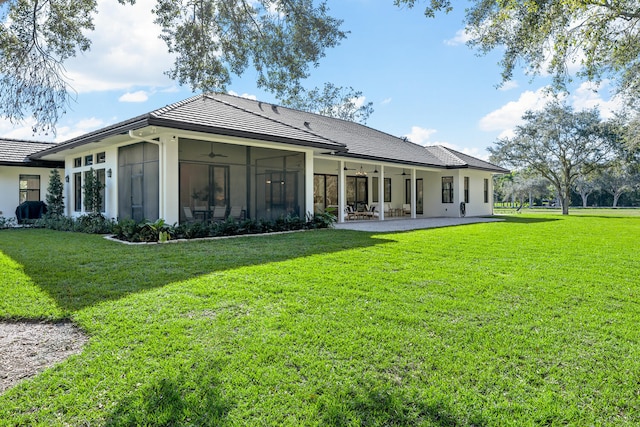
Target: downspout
161 170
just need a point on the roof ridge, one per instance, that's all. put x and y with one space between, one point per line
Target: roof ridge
212 97
159 111
345 121
452 152
28 141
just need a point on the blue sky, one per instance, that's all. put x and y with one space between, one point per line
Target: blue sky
424 82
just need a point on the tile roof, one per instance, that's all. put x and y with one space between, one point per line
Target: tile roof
360 141
236 116
216 112
16 151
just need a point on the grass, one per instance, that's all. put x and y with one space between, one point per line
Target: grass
527 322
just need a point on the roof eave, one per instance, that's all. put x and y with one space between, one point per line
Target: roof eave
34 164
118 129
149 120
194 127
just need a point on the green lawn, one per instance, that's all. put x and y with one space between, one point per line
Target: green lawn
527 322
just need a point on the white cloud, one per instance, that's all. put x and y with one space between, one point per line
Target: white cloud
386 101
21 130
79 128
586 96
244 95
359 101
461 37
420 135
510 115
125 51
589 95
511 84
139 96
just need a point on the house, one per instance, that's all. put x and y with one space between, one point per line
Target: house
215 155
23 179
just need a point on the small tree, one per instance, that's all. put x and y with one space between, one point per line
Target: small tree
55 198
92 189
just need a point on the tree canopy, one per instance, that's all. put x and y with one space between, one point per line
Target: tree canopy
211 39
602 37
332 101
560 144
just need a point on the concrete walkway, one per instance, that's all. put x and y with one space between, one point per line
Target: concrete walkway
405 224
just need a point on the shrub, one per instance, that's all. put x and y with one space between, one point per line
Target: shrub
191 230
147 231
7 222
320 220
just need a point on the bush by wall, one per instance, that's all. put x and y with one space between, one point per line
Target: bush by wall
131 231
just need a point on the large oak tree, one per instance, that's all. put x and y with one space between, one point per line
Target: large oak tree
560 144
212 40
602 37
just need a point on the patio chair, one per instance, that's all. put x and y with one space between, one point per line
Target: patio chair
219 213
406 209
188 215
350 213
235 212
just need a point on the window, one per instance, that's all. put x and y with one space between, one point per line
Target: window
357 191
88 160
466 189
102 180
325 193
77 162
387 189
486 190
101 157
447 189
77 191
29 188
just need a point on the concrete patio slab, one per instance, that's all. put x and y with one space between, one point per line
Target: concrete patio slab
405 224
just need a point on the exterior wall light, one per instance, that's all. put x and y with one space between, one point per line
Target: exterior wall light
109 173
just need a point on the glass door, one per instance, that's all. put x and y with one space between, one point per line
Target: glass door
419 194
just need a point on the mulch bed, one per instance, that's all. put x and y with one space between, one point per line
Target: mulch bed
27 348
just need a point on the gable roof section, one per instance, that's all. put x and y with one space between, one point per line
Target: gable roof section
457 159
205 114
230 115
361 142
17 152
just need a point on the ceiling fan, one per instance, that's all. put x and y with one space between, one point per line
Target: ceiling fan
403 173
213 155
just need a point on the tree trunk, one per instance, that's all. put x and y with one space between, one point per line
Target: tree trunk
565 199
584 199
616 196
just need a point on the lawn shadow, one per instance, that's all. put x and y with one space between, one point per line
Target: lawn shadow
191 397
390 407
79 270
517 219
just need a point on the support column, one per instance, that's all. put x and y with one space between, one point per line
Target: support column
413 193
308 190
381 194
342 188
170 185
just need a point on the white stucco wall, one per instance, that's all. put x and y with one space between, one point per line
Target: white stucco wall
110 191
10 186
476 206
